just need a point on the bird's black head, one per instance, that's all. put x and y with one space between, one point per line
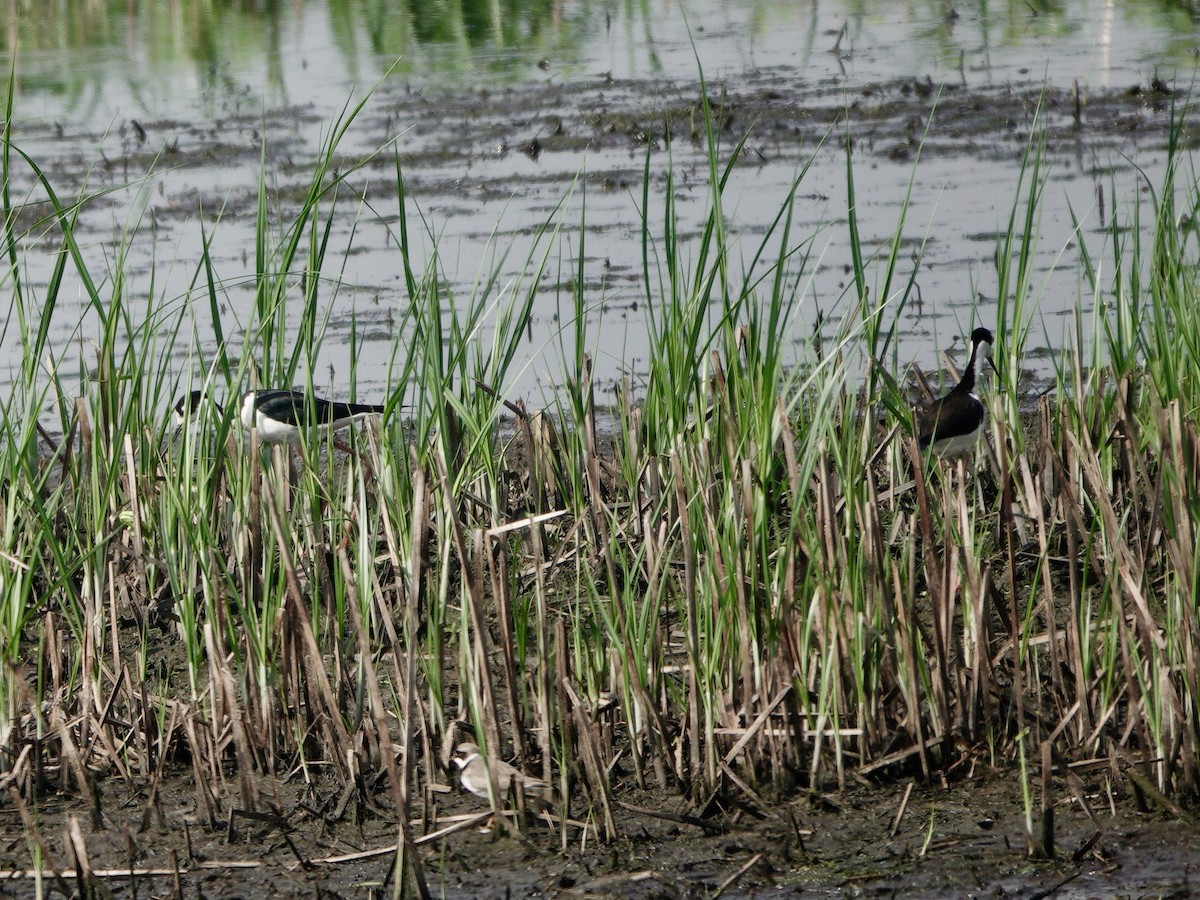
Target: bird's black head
188 404
982 336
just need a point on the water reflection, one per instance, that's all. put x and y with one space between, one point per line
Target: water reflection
71 54
86 61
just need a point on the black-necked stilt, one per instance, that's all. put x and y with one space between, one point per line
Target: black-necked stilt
287 417
473 774
187 406
281 416
187 409
952 425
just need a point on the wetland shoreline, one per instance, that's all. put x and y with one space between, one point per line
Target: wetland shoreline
227 750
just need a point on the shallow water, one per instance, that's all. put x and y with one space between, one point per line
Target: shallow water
465 93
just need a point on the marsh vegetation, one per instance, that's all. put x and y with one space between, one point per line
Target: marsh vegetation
738 584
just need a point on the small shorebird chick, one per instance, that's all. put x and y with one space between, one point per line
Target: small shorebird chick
473 774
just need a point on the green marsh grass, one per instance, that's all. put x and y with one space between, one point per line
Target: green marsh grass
748 587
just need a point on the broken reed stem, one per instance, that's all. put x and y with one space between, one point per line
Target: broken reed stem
298 624
89 885
691 614
562 723
473 586
1015 629
226 714
495 553
593 767
1047 819
409 859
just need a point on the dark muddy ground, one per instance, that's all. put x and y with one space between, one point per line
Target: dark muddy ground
963 840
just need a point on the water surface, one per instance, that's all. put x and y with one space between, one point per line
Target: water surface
204 97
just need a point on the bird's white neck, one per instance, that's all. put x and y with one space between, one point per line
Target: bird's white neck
248 418
466 760
983 352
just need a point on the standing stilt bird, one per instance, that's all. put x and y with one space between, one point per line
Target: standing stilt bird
283 416
287 417
952 425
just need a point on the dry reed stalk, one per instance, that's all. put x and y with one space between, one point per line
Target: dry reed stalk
693 627
1048 506
493 551
296 622
1070 495
825 514
74 763
656 598
481 644
597 511
562 723
541 480
598 516
866 514
1146 786
1139 492
1181 449
115 585
941 581
412 565
1059 648
200 755
1126 562
593 768
652 492
1183 441
407 857
717 588
790 654
746 580
102 734
924 516
544 691
973 692
52 654
737 876
472 584
154 779
910 660
252 554
751 732
227 714
19 774
1046 833
33 833
545 451
134 498
421 511
89 885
